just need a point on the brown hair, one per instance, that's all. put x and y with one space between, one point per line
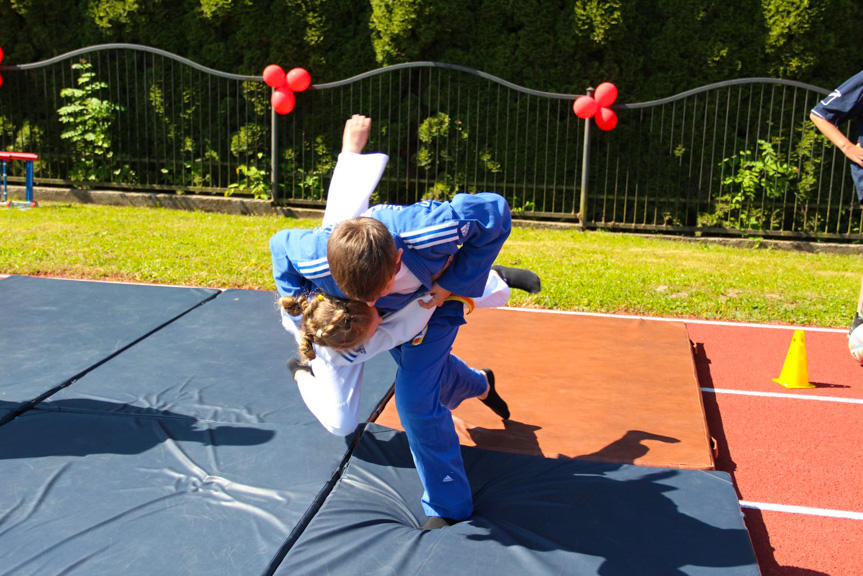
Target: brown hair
363 258
328 321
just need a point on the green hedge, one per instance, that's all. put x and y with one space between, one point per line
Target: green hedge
650 49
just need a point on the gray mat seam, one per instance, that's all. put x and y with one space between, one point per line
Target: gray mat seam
322 496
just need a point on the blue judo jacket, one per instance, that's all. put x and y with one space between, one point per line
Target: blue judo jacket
471 228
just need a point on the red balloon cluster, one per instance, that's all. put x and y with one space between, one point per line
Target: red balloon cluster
598 106
285 85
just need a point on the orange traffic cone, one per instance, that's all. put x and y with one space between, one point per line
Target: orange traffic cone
795 372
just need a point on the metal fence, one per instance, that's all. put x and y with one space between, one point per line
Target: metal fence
737 157
125 116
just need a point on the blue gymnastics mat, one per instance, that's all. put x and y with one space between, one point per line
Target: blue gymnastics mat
52 331
532 516
222 362
108 494
190 452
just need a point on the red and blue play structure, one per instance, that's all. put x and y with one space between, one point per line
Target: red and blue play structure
28 158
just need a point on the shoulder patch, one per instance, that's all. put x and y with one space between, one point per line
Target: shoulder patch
831 97
465 229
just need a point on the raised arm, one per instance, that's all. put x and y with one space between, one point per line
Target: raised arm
356 175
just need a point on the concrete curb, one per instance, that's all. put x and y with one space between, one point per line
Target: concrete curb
191 202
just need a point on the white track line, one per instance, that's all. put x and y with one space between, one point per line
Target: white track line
781 395
824 512
681 320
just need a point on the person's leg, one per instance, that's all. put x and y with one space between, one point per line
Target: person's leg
858 317
460 382
426 368
860 301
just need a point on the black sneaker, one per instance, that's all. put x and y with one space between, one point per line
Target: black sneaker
519 278
858 320
493 399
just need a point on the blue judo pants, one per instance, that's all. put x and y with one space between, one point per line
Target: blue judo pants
430 382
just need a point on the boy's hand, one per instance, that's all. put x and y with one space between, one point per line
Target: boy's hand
438 294
356 133
854 153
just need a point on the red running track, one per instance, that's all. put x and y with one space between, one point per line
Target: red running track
795 459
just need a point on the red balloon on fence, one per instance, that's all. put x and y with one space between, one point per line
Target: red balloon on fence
605 94
584 107
274 76
299 79
283 100
606 119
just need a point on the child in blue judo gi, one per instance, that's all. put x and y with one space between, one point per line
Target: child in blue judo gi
389 258
843 104
337 336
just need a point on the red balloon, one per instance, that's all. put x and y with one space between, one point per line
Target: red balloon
274 76
299 79
283 100
1 80
1 54
606 94
606 119
584 107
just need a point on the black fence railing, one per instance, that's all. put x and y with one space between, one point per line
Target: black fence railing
737 157
446 129
126 116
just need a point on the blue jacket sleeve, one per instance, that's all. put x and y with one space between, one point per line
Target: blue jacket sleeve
485 225
289 282
843 103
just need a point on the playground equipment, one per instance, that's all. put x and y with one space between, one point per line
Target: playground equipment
27 158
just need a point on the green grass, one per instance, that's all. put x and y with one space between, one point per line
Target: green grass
592 271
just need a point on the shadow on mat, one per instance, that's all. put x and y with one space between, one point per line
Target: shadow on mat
520 438
608 519
633 525
516 437
112 428
628 448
